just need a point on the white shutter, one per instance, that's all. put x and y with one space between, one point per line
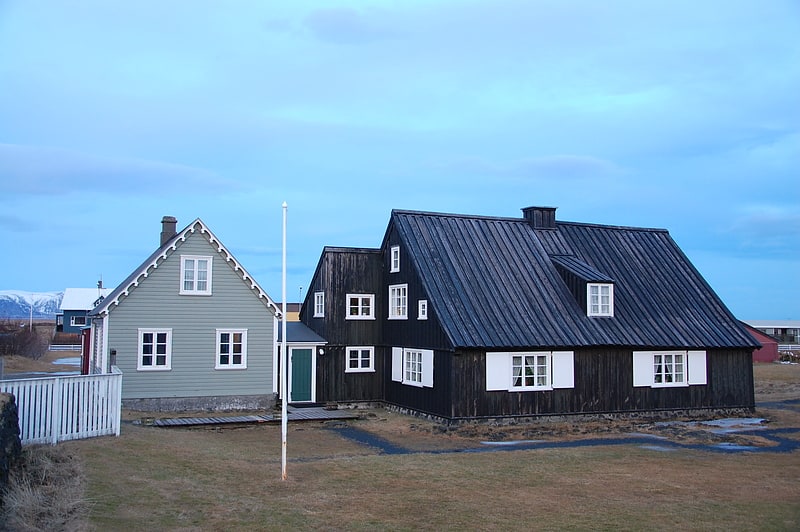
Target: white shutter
397 364
642 368
498 371
427 368
696 367
563 369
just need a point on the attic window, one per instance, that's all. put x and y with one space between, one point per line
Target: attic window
395 260
600 299
195 275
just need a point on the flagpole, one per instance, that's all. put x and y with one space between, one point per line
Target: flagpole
284 357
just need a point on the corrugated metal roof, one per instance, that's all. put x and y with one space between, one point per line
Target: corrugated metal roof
492 283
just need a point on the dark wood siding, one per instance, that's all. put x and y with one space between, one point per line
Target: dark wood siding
603 384
334 384
434 400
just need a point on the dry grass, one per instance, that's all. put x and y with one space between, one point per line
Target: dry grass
46 492
229 479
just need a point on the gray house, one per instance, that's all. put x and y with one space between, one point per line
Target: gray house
189 328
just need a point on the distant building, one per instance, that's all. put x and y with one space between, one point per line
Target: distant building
75 307
786 332
769 346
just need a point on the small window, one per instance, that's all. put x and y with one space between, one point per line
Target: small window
231 349
395 260
398 302
77 321
319 304
412 367
195 275
530 371
422 309
600 300
360 306
155 350
360 359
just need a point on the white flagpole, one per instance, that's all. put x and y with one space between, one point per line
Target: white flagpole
284 358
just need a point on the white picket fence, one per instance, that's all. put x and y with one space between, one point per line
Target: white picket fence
73 407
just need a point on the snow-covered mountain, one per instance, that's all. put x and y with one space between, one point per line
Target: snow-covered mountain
18 303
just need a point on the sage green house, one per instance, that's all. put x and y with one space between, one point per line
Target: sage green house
189 329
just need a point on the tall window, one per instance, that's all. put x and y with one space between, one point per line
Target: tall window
155 349
600 300
360 306
319 304
360 359
412 367
395 259
398 302
195 275
231 349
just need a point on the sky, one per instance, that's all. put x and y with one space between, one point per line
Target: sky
680 115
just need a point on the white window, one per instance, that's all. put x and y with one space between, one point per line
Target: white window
319 304
662 369
422 309
195 275
600 300
360 359
529 371
360 307
231 349
412 366
155 350
398 302
77 321
394 266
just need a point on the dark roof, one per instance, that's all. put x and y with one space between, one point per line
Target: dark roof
492 282
298 332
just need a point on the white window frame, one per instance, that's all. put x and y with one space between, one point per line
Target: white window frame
359 351
319 304
167 366
560 372
74 323
645 368
394 259
398 302
413 367
193 290
599 307
360 307
218 364
422 309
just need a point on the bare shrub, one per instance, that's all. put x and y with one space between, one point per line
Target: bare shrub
21 341
45 492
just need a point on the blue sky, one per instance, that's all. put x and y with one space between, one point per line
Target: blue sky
681 115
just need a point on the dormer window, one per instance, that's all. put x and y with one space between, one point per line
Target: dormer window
600 299
394 266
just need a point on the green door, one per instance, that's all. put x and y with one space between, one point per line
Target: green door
301 375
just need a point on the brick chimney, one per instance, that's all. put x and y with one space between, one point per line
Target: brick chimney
169 225
540 217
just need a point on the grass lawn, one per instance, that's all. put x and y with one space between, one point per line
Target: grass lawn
230 479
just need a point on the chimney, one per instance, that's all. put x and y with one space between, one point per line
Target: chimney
169 226
540 217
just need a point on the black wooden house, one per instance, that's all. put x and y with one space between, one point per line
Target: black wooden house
466 317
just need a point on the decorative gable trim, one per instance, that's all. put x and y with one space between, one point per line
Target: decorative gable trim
161 254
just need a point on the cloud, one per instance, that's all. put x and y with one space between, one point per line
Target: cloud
16 225
564 167
38 170
768 229
345 26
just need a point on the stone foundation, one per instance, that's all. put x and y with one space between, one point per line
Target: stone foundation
222 403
